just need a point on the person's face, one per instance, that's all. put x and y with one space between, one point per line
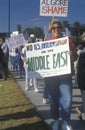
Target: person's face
56 30
1 40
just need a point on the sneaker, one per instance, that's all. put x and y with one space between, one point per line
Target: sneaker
55 125
36 89
45 101
78 113
26 88
66 127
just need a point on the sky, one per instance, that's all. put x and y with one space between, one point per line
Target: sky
27 14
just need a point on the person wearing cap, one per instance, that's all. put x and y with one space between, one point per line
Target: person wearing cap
81 75
60 87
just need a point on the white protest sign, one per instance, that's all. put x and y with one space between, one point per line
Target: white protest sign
15 41
50 58
14 33
53 8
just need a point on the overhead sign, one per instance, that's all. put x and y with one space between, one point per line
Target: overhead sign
49 58
54 8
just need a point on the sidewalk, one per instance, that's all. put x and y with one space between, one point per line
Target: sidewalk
44 109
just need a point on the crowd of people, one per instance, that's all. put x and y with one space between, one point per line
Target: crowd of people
57 89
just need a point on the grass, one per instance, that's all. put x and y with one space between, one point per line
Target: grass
16 111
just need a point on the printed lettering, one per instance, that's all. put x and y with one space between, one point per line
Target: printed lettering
60 59
54 9
38 63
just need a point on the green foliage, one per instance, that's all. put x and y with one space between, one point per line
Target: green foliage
37 31
19 28
76 30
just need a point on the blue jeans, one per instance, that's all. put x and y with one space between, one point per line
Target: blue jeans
60 95
29 81
20 65
45 93
13 60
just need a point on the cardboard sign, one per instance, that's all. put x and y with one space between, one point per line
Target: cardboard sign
15 41
54 7
50 58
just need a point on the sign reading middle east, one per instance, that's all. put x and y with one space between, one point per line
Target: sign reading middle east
49 58
54 7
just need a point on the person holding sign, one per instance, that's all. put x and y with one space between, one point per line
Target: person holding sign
60 87
29 81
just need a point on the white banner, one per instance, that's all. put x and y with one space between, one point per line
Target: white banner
49 58
54 8
15 41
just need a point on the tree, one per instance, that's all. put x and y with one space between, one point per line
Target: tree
37 31
82 29
18 28
76 31
28 31
66 24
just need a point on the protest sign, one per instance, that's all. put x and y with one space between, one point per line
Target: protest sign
54 7
14 33
15 41
49 58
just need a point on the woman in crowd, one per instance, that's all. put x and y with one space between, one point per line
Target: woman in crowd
60 87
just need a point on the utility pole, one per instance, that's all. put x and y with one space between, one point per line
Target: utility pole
9 18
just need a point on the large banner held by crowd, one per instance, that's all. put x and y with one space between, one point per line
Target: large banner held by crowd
15 41
54 7
49 58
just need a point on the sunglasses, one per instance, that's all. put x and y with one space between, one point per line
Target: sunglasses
56 28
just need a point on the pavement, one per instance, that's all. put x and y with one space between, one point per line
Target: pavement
36 99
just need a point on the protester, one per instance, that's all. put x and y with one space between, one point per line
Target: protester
81 75
2 65
13 62
20 62
29 81
5 50
60 87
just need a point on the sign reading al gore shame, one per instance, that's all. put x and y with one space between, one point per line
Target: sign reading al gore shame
54 8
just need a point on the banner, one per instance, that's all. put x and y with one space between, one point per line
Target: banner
15 41
54 8
49 58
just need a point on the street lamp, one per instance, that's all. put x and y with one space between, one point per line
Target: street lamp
9 18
